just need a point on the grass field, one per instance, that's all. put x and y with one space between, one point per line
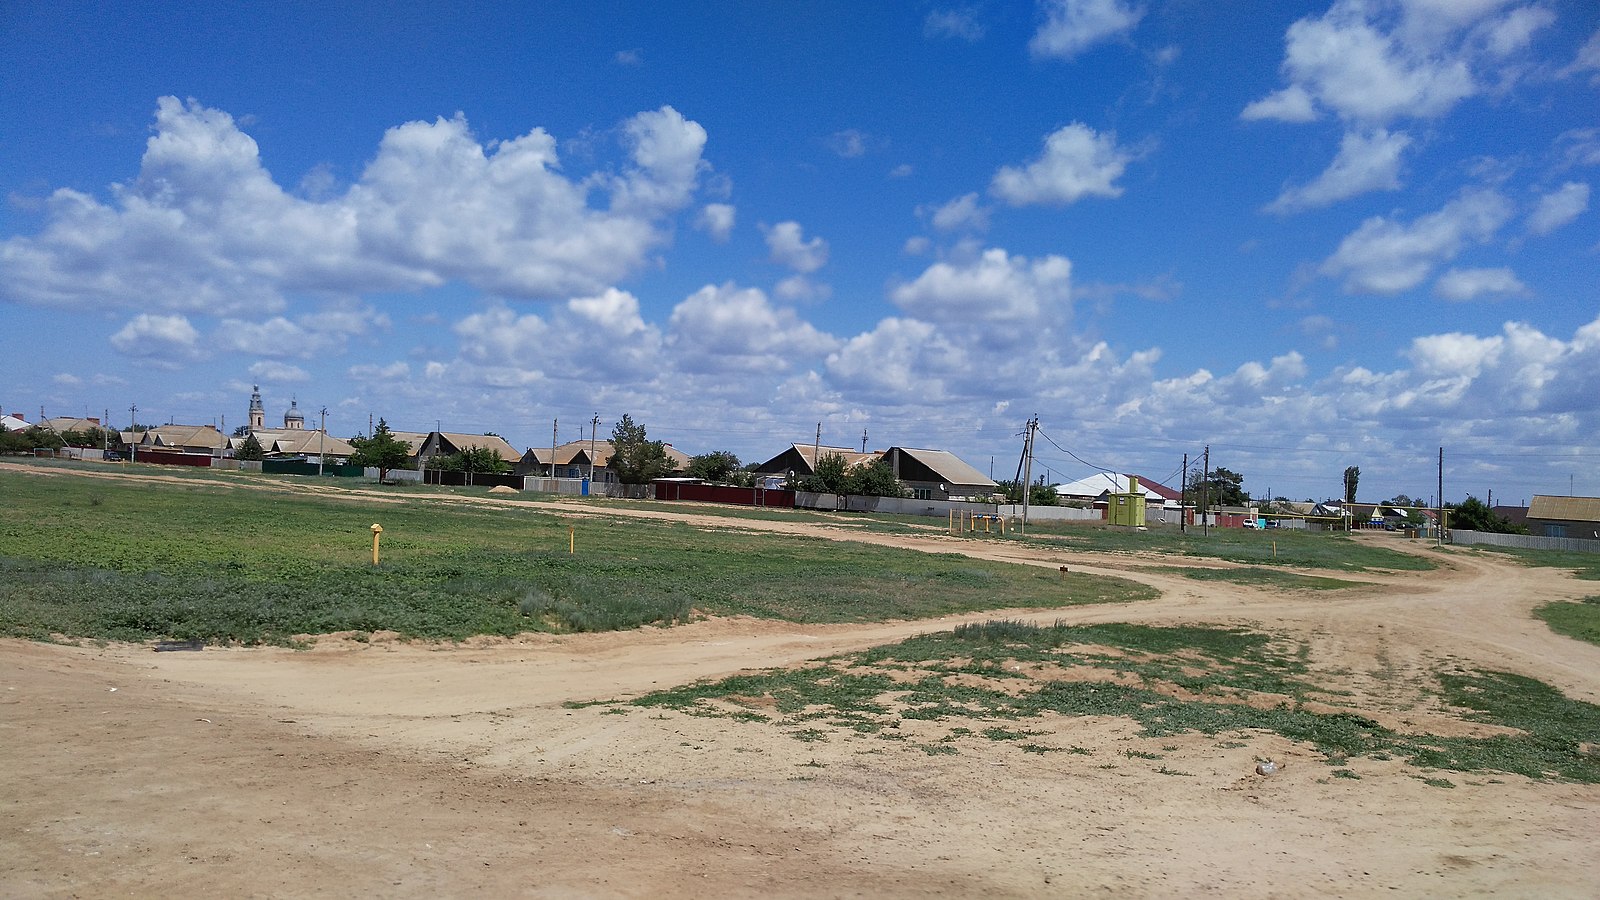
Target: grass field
992 681
1583 565
126 560
1575 620
1277 547
1260 577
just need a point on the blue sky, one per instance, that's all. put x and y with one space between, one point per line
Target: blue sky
1308 235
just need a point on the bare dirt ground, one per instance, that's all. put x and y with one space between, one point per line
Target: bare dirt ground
411 769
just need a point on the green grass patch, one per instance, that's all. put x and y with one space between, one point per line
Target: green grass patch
1275 547
1583 565
1259 577
1170 681
207 558
1575 620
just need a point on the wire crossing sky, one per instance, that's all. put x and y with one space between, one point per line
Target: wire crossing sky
1309 235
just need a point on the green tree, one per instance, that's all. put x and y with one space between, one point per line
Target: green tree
634 457
875 479
484 459
1224 488
383 451
1413 515
45 438
1041 494
15 441
470 461
1352 477
251 449
830 477
93 436
1473 514
717 467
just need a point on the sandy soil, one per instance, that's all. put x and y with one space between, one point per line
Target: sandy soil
405 769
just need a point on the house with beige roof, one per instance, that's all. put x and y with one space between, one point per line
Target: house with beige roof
443 443
201 439
577 459
929 474
800 460
1565 517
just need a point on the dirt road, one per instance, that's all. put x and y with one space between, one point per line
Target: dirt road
400 769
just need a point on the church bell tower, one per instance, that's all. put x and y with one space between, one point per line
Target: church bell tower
258 413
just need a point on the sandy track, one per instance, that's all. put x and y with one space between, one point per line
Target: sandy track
415 769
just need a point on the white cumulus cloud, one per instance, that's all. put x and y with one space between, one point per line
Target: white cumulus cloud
1002 294
1077 162
961 23
1461 285
716 219
965 211
788 246
1366 162
1375 61
1073 26
158 338
279 373
204 227
1386 257
725 328
1559 207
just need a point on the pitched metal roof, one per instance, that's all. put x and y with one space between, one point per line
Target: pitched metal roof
297 441
184 436
64 424
1570 509
481 442
948 467
412 439
1100 483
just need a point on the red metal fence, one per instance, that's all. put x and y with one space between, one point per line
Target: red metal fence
172 458
717 493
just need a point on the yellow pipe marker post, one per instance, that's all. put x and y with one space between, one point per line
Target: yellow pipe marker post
376 531
572 540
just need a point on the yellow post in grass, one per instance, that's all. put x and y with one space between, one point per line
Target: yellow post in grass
572 540
376 531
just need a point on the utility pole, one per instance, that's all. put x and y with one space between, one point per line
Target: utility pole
1027 469
816 450
555 425
863 440
1205 492
133 440
224 433
322 435
592 428
105 433
1441 498
1183 496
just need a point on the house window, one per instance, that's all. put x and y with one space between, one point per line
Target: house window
1559 531
922 493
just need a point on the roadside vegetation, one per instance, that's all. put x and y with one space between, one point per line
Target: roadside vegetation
203 558
998 680
1583 565
1274 547
1579 620
1259 577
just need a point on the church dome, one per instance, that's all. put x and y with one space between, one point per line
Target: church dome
293 418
